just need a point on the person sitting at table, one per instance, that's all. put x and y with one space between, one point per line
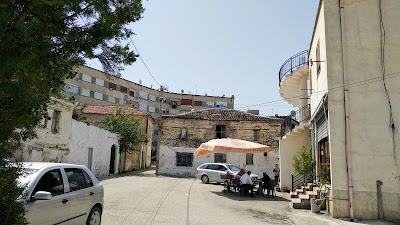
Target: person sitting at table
247 183
266 182
237 178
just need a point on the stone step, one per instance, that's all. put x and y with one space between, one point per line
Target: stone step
298 203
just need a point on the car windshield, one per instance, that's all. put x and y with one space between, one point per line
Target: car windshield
26 176
233 168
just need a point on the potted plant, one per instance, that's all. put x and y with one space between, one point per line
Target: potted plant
303 163
324 179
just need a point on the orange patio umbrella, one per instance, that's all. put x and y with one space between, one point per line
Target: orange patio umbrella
230 145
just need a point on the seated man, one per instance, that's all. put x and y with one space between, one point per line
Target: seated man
247 183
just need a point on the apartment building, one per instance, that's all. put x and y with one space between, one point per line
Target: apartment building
346 86
94 87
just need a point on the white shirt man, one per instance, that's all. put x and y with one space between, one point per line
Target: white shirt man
246 179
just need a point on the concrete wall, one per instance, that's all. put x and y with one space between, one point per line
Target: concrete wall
288 148
373 144
200 131
84 137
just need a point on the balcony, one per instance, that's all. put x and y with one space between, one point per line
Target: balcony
293 77
297 124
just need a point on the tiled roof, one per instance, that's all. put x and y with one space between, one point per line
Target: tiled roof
221 115
111 109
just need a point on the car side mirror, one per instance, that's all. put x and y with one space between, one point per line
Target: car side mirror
41 195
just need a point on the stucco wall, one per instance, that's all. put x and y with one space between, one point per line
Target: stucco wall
84 137
373 144
287 149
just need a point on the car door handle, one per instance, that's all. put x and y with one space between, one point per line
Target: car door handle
91 193
64 201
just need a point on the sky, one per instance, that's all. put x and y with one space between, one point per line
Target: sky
222 47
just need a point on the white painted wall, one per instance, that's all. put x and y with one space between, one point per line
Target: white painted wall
84 137
288 148
168 162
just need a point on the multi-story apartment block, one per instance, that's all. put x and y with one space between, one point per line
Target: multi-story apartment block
94 87
350 78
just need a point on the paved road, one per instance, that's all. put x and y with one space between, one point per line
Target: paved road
141 198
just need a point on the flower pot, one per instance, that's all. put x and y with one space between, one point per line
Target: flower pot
315 208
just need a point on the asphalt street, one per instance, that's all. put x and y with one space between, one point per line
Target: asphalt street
141 198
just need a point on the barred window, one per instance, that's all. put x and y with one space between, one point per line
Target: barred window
249 159
220 157
184 159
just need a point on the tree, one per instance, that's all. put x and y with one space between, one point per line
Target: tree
128 128
41 42
303 162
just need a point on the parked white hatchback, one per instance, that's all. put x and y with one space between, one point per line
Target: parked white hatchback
58 193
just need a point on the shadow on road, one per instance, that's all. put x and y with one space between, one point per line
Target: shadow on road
148 172
237 197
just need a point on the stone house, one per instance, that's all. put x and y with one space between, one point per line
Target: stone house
181 134
137 159
64 140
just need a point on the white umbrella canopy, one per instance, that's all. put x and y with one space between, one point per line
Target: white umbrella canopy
230 145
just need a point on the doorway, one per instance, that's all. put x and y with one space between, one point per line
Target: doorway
112 160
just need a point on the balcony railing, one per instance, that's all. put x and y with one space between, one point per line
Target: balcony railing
303 114
292 64
299 116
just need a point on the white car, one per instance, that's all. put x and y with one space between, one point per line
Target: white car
216 172
58 193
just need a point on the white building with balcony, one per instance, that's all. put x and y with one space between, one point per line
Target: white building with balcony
353 74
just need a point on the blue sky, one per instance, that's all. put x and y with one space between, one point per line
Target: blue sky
222 47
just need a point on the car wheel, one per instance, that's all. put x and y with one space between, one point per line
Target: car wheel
94 217
205 179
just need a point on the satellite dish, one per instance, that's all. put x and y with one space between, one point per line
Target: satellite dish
292 113
182 91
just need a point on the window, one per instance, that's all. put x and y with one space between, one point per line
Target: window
55 126
132 93
51 182
99 82
70 88
318 58
112 86
98 95
256 131
173 104
143 106
86 78
222 105
204 166
221 131
249 159
220 157
124 89
152 98
152 109
143 94
78 179
198 103
184 133
184 159
85 92
210 104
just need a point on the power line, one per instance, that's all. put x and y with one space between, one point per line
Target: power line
140 56
358 83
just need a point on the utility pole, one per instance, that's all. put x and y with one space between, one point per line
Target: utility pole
159 132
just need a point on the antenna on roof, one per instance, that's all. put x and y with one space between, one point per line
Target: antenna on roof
140 81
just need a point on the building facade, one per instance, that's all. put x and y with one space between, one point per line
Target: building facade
139 158
352 79
64 140
94 87
182 134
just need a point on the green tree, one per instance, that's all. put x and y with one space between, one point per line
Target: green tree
128 127
303 162
41 42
